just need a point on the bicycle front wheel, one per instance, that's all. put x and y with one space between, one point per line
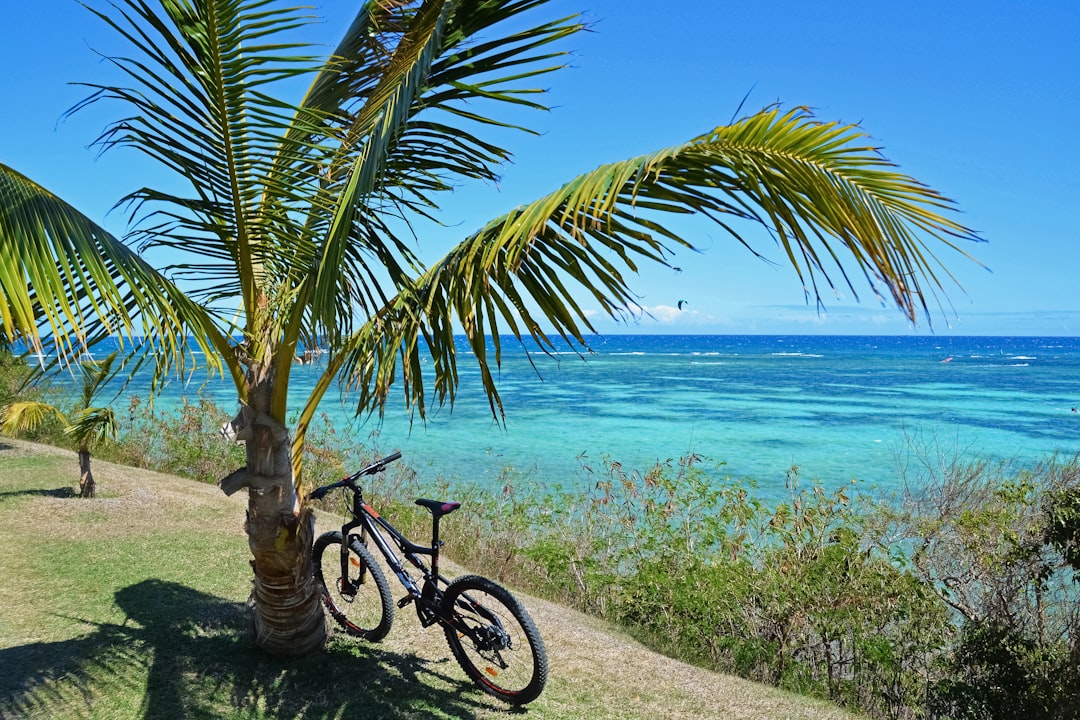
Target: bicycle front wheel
360 600
494 639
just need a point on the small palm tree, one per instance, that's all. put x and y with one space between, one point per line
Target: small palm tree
89 426
294 223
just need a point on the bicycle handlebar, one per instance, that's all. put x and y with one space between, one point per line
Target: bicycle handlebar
369 469
378 465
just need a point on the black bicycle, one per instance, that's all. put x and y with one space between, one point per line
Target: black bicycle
489 632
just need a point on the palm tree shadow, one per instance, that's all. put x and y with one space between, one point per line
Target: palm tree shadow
60 492
191 655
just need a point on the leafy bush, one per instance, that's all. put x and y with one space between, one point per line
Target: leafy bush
791 595
957 595
182 440
997 547
1062 530
19 383
996 671
14 373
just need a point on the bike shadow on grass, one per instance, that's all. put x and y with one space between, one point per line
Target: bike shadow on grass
189 655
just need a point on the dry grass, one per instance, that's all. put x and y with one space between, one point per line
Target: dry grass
596 670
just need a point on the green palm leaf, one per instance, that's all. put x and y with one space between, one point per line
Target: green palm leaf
371 132
198 109
821 192
400 66
95 374
93 425
27 415
66 280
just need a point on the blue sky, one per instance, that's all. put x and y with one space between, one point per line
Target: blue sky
978 99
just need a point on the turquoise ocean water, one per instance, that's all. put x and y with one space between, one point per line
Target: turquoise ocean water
839 407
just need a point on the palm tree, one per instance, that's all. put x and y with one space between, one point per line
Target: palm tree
90 425
297 223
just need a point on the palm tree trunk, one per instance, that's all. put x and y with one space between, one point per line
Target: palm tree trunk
87 488
285 599
288 615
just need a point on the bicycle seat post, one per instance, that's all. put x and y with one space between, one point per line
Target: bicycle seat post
435 544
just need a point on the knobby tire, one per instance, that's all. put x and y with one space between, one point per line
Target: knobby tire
506 658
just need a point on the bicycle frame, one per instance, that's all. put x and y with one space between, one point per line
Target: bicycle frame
376 527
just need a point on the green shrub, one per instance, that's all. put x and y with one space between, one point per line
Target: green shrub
793 596
997 546
877 607
1062 529
183 440
995 671
14 372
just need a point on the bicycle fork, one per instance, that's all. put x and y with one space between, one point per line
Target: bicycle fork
348 561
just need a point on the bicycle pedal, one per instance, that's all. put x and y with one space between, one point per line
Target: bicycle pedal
405 600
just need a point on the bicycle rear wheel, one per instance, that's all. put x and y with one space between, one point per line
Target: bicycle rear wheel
494 639
360 602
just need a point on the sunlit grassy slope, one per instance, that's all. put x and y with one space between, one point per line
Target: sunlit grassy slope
132 605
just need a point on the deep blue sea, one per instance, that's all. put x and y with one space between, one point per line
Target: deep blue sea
838 407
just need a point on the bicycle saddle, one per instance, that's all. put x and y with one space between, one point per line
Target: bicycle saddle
439 508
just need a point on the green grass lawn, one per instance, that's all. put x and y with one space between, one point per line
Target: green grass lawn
133 605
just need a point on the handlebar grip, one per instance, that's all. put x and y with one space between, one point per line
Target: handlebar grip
319 493
378 465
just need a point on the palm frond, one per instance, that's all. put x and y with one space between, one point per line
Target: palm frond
198 109
27 415
65 279
95 373
822 193
371 132
399 66
812 183
92 425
